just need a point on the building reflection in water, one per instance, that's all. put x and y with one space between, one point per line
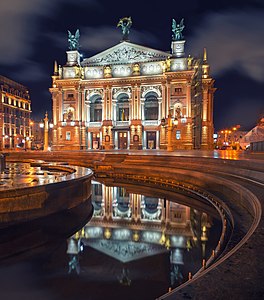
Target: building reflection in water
130 226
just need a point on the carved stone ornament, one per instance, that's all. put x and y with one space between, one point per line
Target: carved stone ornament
125 54
92 92
125 251
117 91
150 88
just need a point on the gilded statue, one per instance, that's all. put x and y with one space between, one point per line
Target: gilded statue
73 40
125 24
177 30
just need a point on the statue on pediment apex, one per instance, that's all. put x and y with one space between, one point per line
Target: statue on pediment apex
177 30
73 40
125 24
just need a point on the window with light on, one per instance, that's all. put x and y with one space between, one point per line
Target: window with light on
68 136
178 135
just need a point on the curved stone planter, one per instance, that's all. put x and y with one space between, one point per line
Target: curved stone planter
35 199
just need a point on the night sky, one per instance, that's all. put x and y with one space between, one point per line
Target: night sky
34 33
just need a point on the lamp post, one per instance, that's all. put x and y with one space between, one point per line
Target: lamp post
46 125
171 124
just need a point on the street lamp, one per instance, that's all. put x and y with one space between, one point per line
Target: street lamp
46 125
171 124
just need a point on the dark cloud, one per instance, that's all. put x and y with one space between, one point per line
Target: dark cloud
234 40
97 39
19 26
32 71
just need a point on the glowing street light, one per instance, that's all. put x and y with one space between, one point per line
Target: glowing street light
171 123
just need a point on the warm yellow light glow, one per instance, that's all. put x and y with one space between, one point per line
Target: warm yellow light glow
136 236
162 239
167 243
107 233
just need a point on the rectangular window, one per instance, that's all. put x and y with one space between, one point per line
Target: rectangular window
178 90
68 135
178 135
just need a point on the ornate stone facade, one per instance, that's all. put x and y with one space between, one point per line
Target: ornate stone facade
133 97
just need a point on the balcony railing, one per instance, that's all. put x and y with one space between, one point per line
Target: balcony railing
122 123
94 124
150 123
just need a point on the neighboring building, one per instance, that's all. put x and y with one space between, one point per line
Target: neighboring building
230 138
15 110
254 137
128 96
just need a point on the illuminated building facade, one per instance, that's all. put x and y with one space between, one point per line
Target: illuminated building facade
133 97
15 111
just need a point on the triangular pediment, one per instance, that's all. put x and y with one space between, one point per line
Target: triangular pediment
125 251
125 53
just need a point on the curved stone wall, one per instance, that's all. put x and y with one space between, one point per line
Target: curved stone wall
236 185
35 199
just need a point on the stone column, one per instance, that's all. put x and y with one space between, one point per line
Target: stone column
46 132
138 112
144 142
158 140
106 102
160 108
110 112
170 131
114 111
88 111
163 106
168 90
205 104
188 100
142 101
54 107
61 100
83 106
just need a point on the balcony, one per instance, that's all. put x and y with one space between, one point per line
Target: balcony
69 123
122 123
95 124
150 123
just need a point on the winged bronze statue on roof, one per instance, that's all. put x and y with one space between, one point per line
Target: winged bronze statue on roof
125 24
177 30
73 40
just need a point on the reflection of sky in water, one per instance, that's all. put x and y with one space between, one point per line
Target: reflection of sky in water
135 247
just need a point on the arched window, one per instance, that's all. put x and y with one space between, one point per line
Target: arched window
122 199
122 107
96 108
151 204
151 107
